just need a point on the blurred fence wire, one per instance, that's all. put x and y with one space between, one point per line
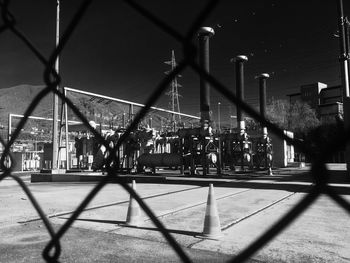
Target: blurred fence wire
52 251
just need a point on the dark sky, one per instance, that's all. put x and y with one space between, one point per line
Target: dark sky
117 52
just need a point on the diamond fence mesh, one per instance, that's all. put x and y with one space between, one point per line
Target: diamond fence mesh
52 251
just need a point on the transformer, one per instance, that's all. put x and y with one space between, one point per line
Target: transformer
200 149
236 151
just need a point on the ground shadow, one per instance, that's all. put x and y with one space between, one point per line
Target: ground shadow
123 224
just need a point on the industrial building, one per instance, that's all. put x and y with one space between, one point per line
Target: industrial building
328 104
327 101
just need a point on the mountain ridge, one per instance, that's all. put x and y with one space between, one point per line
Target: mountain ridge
17 99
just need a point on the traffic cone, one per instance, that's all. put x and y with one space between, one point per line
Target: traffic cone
212 228
133 217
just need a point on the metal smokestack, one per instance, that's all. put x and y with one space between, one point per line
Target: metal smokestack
262 91
239 68
203 41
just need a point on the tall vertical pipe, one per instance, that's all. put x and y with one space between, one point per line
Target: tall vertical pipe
344 66
262 97
344 59
347 43
239 68
203 41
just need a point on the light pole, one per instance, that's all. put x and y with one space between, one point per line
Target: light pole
219 119
55 97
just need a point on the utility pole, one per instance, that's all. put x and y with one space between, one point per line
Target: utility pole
174 93
344 58
55 165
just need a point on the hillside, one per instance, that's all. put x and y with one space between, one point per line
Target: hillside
17 99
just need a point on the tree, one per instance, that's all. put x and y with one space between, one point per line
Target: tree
277 112
325 133
302 118
297 117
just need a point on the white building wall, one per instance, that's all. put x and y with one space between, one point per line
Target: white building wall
283 153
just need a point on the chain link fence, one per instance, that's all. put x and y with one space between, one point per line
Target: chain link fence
52 251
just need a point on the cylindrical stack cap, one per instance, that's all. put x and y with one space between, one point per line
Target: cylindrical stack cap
240 58
206 31
264 76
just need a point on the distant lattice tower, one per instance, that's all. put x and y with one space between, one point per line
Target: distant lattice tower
173 93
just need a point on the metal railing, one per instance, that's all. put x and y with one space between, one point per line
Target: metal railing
52 251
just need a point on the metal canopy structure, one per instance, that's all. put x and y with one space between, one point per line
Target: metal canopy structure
11 116
118 110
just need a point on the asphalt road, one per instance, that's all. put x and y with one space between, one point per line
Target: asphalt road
247 207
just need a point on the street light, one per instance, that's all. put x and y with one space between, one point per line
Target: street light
219 128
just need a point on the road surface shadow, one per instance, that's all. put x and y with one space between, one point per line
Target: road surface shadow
123 224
